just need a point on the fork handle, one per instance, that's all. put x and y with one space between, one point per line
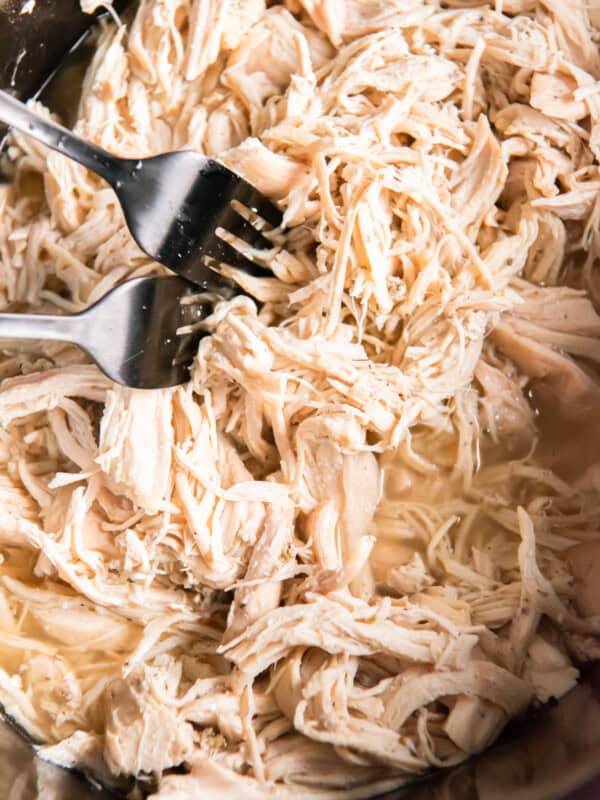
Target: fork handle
42 326
19 116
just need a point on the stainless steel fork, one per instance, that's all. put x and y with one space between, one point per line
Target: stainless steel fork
176 205
144 333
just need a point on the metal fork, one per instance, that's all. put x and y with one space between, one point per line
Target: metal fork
142 334
176 205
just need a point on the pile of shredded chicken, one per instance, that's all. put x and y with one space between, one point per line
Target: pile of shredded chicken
363 537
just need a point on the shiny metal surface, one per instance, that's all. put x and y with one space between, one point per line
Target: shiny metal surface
27 58
175 204
25 777
131 333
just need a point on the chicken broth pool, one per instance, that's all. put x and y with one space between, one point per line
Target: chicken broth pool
363 537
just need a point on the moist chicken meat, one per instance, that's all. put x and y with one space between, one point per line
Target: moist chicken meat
350 548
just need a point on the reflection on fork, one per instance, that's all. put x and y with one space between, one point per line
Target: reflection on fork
144 333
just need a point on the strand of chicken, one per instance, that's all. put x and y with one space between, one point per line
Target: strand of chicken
362 538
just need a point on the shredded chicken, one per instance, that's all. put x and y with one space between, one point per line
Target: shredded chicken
365 535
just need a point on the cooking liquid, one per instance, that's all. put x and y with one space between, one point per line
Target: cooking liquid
568 443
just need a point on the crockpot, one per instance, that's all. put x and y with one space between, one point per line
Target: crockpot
553 753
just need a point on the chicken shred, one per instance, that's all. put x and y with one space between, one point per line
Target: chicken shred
355 544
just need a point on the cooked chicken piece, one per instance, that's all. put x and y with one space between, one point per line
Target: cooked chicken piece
559 309
72 429
274 175
136 437
574 32
575 204
349 19
553 94
82 751
43 391
361 488
481 679
558 379
267 58
507 414
100 632
474 723
546 256
549 670
261 595
409 578
213 26
143 735
478 182
528 126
